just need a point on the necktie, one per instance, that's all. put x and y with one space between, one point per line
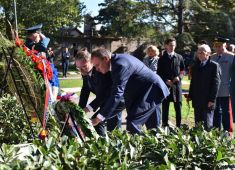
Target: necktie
219 57
201 64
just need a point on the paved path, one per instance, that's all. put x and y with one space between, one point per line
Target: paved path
72 90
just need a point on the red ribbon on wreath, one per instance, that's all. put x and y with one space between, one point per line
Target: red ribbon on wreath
44 67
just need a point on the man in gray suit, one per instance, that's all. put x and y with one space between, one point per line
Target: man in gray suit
143 90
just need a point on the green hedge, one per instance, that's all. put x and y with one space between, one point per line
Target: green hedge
161 149
182 148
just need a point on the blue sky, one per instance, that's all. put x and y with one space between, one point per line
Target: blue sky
92 6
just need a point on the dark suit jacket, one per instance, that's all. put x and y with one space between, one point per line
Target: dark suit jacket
97 83
141 87
168 69
204 84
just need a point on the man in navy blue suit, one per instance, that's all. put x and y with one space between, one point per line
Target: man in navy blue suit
143 90
100 85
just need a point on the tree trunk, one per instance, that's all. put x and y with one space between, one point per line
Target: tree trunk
180 17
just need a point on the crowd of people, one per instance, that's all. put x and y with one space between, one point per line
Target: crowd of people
146 88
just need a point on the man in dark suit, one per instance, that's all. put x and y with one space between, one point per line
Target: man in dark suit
100 85
143 90
171 70
204 87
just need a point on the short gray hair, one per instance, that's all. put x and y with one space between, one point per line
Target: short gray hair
101 53
205 48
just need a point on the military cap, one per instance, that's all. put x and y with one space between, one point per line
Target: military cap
221 40
33 29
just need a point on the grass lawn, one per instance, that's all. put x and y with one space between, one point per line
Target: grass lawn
70 83
187 113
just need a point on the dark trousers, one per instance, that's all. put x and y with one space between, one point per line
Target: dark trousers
114 122
204 115
165 112
148 118
232 94
111 123
65 66
223 114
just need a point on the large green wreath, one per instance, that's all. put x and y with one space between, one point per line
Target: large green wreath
32 87
64 107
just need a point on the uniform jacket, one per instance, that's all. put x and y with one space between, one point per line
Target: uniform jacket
168 69
97 83
204 84
141 87
41 46
233 75
151 63
225 62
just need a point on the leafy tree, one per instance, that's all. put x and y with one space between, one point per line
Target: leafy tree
124 18
54 14
212 18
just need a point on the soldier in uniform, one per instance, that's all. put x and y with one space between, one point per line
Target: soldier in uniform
171 70
223 113
39 42
35 39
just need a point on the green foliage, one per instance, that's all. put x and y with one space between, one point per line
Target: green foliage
162 149
212 18
5 42
54 14
184 40
124 18
64 107
8 157
13 126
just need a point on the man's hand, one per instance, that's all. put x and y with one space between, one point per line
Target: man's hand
95 121
210 105
176 79
86 110
37 38
169 83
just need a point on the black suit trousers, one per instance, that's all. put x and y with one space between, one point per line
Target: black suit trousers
111 123
165 112
205 116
